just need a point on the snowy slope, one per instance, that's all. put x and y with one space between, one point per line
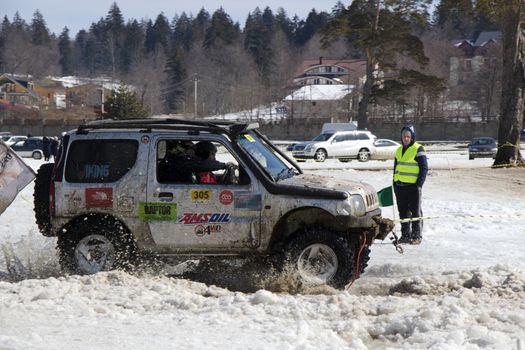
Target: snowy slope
462 288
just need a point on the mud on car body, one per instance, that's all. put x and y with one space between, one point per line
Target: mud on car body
110 197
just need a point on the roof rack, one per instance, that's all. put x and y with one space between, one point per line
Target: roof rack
223 127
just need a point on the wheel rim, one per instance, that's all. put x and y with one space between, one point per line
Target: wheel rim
317 264
37 155
363 155
320 156
94 253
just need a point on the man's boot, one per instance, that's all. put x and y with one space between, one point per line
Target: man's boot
405 233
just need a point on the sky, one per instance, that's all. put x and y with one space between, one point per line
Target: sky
462 288
78 15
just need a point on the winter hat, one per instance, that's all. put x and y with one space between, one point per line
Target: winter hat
411 129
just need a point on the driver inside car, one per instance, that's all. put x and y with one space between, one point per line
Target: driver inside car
204 168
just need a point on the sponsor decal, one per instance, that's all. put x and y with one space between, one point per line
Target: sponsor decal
200 195
99 197
96 171
157 211
202 230
249 138
248 200
144 139
205 218
226 197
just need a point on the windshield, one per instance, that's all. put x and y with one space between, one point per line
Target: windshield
5 138
323 137
274 165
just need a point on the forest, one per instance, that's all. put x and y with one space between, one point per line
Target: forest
240 66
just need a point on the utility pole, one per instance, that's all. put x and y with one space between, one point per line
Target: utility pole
195 88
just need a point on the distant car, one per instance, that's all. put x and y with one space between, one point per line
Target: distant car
32 147
384 149
12 139
482 147
343 145
522 135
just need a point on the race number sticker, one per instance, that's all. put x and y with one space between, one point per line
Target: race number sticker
157 211
200 195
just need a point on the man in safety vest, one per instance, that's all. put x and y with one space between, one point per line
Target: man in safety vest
410 172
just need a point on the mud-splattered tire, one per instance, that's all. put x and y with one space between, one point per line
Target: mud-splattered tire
90 246
320 256
41 198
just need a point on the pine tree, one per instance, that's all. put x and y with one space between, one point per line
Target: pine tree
65 51
285 24
257 40
510 16
221 31
175 76
132 46
123 104
183 32
382 30
458 14
39 31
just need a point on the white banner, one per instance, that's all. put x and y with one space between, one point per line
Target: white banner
14 175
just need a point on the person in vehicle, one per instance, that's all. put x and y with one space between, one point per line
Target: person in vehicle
204 168
410 171
177 165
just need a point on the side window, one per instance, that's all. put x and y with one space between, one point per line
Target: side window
362 136
197 161
100 161
340 138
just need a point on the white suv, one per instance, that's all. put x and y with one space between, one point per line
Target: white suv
344 145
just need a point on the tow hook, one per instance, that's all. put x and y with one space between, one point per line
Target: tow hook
385 226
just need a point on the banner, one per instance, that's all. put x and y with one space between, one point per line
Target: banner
14 175
385 197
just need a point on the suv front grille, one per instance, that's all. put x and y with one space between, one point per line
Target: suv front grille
371 200
298 147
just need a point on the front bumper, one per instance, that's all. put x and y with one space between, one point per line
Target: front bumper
303 155
373 223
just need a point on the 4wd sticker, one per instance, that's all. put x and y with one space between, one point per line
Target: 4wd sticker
99 197
200 195
201 230
205 218
157 211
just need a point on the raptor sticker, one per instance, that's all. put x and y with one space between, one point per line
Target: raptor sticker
157 211
205 218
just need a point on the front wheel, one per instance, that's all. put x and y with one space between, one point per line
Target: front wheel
321 256
320 155
37 155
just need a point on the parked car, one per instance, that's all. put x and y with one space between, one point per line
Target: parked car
109 201
12 139
482 147
31 147
343 145
384 149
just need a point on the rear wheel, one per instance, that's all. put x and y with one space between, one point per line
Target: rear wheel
320 155
363 155
90 246
41 198
321 256
37 155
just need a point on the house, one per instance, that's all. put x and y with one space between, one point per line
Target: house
471 55
325 88
18 91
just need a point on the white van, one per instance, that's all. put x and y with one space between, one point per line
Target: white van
343 145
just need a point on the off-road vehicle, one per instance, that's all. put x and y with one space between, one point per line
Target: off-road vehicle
109 198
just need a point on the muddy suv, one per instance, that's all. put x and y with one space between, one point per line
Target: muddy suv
112 196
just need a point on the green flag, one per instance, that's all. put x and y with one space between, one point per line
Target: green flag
386 197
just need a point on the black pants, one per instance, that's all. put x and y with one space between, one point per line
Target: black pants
408 199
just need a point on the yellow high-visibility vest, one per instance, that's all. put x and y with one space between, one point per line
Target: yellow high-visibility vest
407 169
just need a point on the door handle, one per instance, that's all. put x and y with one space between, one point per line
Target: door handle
165 196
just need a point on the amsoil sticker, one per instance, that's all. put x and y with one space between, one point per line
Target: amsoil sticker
202 230
99 197
200 195
205 218
157 211
248 200
226 197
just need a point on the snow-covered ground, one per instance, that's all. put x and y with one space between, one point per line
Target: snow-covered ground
462 288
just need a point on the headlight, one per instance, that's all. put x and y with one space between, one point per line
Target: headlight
358 205
308 148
